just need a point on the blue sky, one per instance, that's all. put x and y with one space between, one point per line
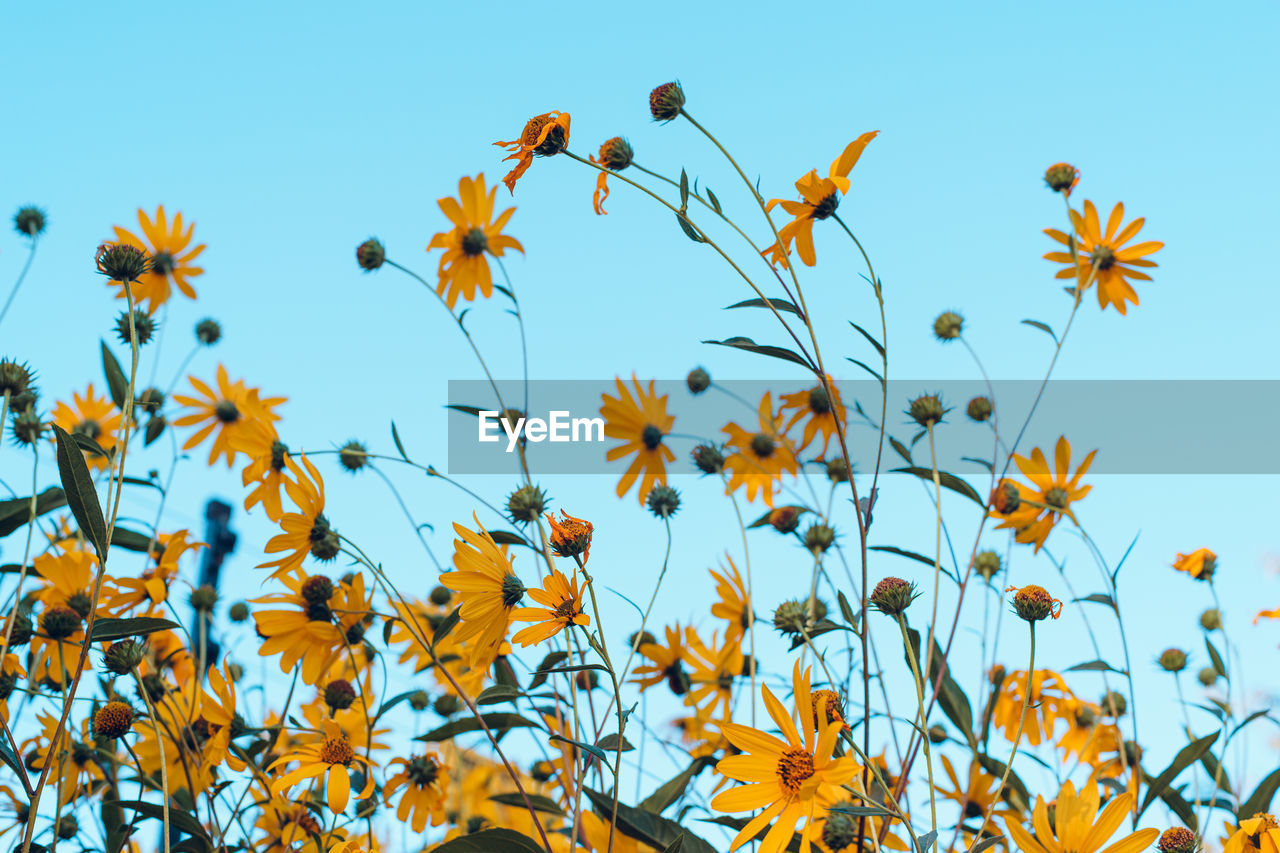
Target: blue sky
290 133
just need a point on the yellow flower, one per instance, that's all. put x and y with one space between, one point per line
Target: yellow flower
570 536
312 626
561 601
331 757
543 135
1077 827
1257 834
1200 563
818 411
712 671
287 825
664 663
488 590
976 797
171 260
819 198
93 417
267 468
226 410
463 266
595 834
1106 251
1050 702
151 588
306 531
424 780
760 457
640 422
792 780
734 604
1041 504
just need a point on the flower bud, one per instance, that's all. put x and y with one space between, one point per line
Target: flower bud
979 409
29 221
419 700
22 629
640 638
15 379
785 519
1173 660
791 617
1062 177
986 564
665 101
586 679
527 503
143 324
1113 704
317 589
339 695
926 410
937 733
1211 619
819 537
892 596
948 326
698 380
123 656
370 254
204 598
663 501
446 704
616 154
837 470
208 331
122 262
441 595
239 612
60 622
708 459
1033 603
353 456
1208 676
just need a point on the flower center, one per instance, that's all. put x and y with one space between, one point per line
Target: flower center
762 445
819 402
422 771
162 263
826 207
89 428
226 411
512 591
336 750
1103 257
278 451
795 766
474 242
651 436
1057 498
567 610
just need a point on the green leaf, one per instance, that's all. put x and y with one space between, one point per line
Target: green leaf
10 759
1186 756
1218 772
447 624
474 411
1015 792
739 342
846 610
986 843
539 802
130 540
594 750
947 481
1098 598
395 437
903 552
106 629
16 512
687 227
497 693
506 537
117 382
684 190
491 841
862 811
776 304
609 743
1044 327
650 828
1260 799
867 368
676 846
495 722
178 818
901 449
671 790
879 347
82 497
924 843
1094 666
715 202
544 668
951 698
1215 658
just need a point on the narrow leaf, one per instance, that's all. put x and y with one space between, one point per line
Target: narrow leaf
117 382
106 629
82 497
1186 756
947 481
751 346
777 304
1044 327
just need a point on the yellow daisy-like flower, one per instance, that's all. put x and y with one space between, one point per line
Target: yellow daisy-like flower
817 410
1200 563
760 457
640 421
464 266
267 470
734 604
664 663
595 835
424 780
172 257
311 624
793 780
1077 827
712 671
1050 702
543 136
488 590
93 417
330 758
975 797
819 198
561 600
306 531
1039 506
226 411
1106 251
289 826
151 588
1257 834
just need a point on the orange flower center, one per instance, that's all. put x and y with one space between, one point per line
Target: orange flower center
795 766
336 750
826 708
567 610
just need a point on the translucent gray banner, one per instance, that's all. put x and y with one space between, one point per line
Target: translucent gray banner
1138 426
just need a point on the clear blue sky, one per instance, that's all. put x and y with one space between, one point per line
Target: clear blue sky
289 133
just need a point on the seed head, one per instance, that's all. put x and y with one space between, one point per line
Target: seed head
616 154
986 564
791 617
708 459
948 326
892 596
60 622
112 720
663 501
527 503
22 629
570 536
1062 178
339 695
698 380
1178 839
15 379
837 470
123 656
819 537
665 101
441 595
317 589
927 410
239 612
353 455
27 426
122 262
1211 619
204 598
370 254
1033 603
1113 704
143 324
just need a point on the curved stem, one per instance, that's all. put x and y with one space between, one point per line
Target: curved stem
31 256
1017 738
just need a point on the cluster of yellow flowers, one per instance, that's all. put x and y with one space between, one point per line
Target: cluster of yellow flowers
160 736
